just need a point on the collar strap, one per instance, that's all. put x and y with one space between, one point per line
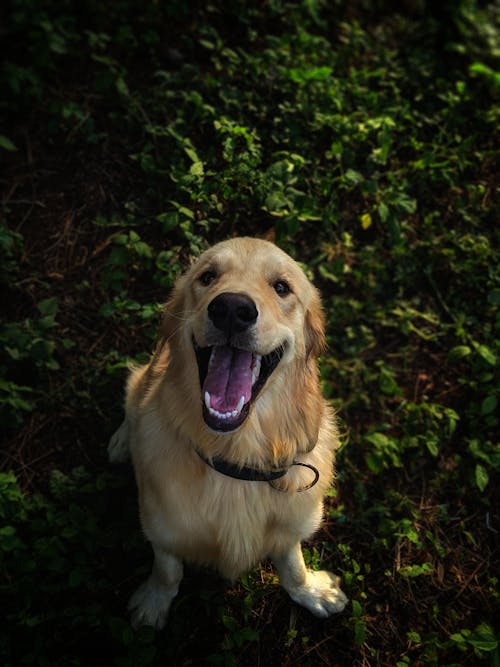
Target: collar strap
244 473
247 474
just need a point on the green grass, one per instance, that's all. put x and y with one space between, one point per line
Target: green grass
360 136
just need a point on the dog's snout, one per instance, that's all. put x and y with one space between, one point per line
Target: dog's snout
232 313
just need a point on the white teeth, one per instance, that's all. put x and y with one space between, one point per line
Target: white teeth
224 415
256 364
256 368
240 405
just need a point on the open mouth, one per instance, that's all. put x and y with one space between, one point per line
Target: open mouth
230 380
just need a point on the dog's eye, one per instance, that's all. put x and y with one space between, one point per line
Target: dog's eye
282 288
207 277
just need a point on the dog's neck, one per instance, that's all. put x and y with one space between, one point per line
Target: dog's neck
248 474
244 473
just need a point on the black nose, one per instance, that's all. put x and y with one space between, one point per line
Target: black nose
232 313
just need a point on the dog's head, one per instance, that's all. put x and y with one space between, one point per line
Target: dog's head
247 312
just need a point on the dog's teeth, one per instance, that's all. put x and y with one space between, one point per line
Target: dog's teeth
256 368
224 415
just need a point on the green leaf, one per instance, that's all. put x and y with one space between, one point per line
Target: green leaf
121 87
482 477
489 405
276 201
169 220
383 212
187 212
230 623
196 169
380 440
354 177
119 256
313 74
356 609
9 540
143 250
459 352
484 638
406 203
387 383
375 463
486 72
459 638
7 144
192 154
432 445
48 307
486 354
359 633
412 571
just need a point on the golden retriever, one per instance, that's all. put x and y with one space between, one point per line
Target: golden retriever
231 440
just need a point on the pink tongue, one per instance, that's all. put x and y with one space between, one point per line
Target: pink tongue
229 377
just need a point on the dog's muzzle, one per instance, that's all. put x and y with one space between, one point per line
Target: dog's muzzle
231 377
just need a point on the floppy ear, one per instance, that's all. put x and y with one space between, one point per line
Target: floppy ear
315 327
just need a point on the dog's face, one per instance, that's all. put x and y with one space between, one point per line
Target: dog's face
248 311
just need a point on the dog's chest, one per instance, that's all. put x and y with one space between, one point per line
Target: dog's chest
226 523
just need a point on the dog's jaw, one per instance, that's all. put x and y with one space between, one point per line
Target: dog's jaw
256 370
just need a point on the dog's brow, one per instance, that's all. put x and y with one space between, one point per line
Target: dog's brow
210 265
219 263
282 273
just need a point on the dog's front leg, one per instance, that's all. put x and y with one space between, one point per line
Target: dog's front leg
317 591
151 601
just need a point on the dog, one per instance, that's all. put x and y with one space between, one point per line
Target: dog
231 440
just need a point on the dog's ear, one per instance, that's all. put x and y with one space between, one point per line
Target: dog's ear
315 327
173 312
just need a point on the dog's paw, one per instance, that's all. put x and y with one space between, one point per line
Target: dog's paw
118 448
320 594
149 605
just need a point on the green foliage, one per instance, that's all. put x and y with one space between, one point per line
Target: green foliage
483 639
361 137
33 339
10 247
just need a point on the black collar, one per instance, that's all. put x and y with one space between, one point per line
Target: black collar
247 474
244 473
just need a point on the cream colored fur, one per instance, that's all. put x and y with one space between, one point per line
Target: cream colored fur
190 512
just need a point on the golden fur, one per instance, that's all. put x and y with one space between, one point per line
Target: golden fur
190 511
